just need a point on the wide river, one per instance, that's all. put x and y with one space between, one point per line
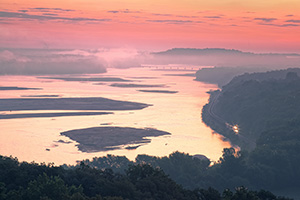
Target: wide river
35 139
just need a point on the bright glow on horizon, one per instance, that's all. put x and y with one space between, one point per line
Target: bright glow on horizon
268 26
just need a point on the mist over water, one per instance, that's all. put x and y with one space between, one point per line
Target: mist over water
178 113
82 61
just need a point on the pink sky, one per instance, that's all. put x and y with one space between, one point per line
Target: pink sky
259 26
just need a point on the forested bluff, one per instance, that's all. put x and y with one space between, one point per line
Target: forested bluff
266 110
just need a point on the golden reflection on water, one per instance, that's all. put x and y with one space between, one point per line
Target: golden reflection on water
35 139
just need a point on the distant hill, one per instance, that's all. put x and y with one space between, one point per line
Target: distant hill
216 51
224 58
206 51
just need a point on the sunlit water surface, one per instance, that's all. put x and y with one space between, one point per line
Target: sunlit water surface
34 139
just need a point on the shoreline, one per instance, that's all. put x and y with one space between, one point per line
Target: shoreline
220 126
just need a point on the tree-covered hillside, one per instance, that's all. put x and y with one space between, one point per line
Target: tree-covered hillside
255 101
262 109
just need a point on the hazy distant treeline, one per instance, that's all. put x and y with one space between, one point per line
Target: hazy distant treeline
226 58
79 61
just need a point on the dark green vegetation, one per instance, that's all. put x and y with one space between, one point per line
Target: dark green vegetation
277 75
136 85
159 91
24 181
90 103
255 102
61 114
109 138
19 88
266 107
252 170
223 75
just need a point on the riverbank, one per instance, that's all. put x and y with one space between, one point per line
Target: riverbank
221 126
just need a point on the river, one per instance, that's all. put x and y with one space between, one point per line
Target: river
35 139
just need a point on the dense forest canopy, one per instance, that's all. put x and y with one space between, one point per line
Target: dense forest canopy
31 181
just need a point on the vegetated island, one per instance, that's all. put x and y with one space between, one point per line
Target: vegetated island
90 103
83 79
97 139
60 114
19 88
159 91
136 85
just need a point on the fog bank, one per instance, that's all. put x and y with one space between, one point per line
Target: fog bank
78 61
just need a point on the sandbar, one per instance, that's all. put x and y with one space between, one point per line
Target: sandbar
19 88
43 95
136 85
82 79
143 77
98 139
89 103
61 114
159 91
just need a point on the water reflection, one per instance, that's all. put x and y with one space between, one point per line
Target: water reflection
178 113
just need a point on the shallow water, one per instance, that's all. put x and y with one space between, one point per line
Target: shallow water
35 139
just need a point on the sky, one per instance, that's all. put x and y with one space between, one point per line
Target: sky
247 25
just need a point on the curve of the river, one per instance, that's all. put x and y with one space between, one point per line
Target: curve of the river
36 139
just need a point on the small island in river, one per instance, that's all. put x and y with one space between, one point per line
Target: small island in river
86 103
159 91
84 79
59 114
18 88
131 85
97 139
43 95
